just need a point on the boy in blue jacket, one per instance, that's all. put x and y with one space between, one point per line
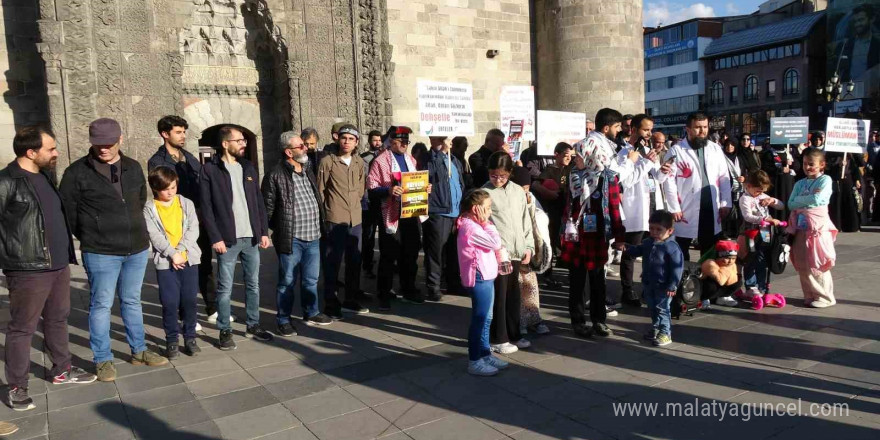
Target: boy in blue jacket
662 265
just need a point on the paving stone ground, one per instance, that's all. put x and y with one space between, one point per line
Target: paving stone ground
401 374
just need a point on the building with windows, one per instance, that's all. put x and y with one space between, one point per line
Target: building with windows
757 73
674 75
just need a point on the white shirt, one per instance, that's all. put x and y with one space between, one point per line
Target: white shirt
684 183
637 191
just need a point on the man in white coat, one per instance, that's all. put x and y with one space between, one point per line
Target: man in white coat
641 197
697 186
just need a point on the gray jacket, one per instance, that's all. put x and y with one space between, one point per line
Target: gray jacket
510 214
162 250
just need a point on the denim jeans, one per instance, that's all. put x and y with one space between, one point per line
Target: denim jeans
658 303
755 270
482 300
111 275
303 263
250 264
341 239
178 290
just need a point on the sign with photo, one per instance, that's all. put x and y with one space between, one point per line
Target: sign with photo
555 127
518 103
445 109
847 135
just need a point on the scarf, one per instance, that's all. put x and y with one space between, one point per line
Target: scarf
387 174
598 151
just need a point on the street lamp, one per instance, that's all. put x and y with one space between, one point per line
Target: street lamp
833 90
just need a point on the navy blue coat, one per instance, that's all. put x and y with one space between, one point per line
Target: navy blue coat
662 263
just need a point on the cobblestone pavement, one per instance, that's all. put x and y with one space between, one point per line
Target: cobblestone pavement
401 374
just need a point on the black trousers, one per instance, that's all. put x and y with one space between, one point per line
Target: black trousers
685 245
711 289
341 240
577 280
401 248
627 263
451 271
436 234
207 280
505 311
372 219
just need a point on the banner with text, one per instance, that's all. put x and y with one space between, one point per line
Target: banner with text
556 127
847 135
792 130
414 201
445 109
518 103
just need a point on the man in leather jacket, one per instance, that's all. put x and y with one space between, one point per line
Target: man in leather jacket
36 250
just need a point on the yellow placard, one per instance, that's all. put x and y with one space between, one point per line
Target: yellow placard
414 201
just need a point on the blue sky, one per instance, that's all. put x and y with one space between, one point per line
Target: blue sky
673 11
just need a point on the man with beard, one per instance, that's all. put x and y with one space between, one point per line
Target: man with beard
293 207
862 49
371 207
697 186
311 138
235 218
36 249
641 197
172 154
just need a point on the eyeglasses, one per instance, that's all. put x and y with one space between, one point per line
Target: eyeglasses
238 141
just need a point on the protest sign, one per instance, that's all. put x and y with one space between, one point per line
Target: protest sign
791 130
518 103
414 200
847 135
555 127
445 109
514 138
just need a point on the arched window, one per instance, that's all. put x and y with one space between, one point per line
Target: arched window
791 82
716 93
750 92
750 124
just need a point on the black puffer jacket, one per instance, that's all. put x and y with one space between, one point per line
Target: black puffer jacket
22 225
104 222
278 196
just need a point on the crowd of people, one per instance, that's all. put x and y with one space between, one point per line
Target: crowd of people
495 229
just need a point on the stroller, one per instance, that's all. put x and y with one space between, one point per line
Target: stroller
776 254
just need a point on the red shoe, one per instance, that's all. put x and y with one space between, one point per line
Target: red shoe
774 300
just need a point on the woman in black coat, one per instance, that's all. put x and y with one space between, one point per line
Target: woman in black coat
846 178
780 164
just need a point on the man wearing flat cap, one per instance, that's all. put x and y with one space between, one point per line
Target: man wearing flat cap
104 195
341 184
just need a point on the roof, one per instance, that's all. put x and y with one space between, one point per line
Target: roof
792 29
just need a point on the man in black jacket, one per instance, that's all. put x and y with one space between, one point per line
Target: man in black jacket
104 195
36 250
479 160
371 208
235 218
172 154
293 207
445 176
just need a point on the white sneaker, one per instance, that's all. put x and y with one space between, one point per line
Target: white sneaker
522 343
705 305
198 326
480 368
495 362
726 301
754 291
212 319
821 304
505 348
541 329
609 312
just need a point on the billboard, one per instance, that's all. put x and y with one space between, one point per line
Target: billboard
854 44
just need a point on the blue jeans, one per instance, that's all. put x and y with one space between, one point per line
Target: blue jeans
303 262
755 270
110 275
482 300
250 264
341 239
658 303
178 290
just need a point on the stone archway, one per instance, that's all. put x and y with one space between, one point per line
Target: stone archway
206 114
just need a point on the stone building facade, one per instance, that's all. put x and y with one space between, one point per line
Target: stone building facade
274 65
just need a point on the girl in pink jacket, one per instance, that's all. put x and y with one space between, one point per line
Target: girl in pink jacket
479 251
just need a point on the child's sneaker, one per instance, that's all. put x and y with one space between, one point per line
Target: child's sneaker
662 340
726 301
651 335
706 305
481 368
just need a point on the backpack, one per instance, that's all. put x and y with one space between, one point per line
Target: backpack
777 251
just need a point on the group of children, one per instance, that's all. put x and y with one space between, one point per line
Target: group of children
494 240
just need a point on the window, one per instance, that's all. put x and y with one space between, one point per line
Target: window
689 31
750 124
734 94
771 88
716 94
791 83
750 91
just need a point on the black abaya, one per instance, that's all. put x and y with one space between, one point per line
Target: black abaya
843 209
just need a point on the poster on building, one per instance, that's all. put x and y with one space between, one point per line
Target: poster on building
853 48
845 135
414 200
514 138
789 130
518 102
445 109
556 127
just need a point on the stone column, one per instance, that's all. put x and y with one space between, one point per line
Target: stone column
590 55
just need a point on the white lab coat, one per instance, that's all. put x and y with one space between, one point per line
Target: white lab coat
636 203
684 182
599 153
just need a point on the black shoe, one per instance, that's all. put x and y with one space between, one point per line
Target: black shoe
257 332
393 294
602 330
286 330
385 303
171 351
226 343
583 330
354 307
369 274
553 284
631 302
413 299
335 315
362 296
319 319
191 348
18 399
435 297
651 335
